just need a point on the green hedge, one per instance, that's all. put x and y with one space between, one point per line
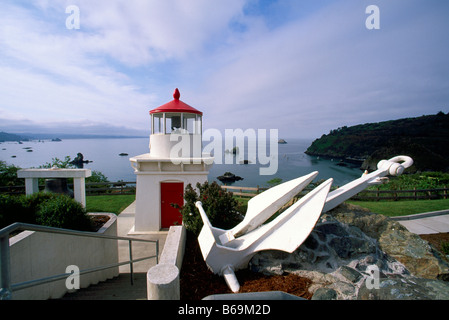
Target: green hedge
46 209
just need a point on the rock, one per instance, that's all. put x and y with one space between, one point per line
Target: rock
345 246
325 294
229 177
395 240
351 274
406 289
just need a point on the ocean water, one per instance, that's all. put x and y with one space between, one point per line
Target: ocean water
292 162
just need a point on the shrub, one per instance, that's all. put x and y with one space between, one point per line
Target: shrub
445 247
424 180
11 208
47 209
219 205
21 208
63 212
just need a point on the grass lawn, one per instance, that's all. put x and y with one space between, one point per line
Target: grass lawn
116 204
112 204
403 208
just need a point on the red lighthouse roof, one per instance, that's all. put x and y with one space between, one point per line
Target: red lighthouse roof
176 106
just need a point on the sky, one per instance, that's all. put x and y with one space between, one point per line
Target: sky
303 67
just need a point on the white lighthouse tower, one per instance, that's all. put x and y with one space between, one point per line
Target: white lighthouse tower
174 161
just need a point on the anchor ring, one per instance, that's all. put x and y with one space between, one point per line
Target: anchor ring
397 164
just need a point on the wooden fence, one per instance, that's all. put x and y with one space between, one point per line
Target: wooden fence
129 187
366 195
414 194
92 188
244 191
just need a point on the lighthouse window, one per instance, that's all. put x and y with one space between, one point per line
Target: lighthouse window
173 123
190 123
157 125
198 125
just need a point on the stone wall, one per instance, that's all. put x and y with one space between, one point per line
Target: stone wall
345 245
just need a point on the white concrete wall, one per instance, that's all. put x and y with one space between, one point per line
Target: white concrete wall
161 145
148 197
163 280
35 255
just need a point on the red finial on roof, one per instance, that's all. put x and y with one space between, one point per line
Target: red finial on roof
176 94
176 106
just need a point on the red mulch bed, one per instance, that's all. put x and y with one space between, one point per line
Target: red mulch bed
198 282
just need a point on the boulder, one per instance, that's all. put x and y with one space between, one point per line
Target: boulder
344 247
420 258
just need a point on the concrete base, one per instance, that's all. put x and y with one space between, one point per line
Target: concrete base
163 282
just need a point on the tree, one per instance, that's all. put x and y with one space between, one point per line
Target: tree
56 162
8 175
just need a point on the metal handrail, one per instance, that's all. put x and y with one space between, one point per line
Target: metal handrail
6 287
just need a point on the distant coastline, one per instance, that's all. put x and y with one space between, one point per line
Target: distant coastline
424 138
4 136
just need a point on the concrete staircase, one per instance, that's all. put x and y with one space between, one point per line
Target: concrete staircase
119 288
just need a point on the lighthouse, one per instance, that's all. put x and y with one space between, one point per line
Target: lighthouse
174 161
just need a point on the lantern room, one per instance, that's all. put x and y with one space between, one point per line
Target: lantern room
171 119
175 160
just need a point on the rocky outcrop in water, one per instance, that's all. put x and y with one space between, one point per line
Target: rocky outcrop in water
79 161
347 245
229 177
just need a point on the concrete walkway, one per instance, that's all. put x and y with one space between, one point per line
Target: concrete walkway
125 222
426 223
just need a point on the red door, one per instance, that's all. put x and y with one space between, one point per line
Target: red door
171 193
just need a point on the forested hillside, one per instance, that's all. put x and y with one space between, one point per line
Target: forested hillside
10 137
425 139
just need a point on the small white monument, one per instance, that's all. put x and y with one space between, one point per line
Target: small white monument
79 176
174 161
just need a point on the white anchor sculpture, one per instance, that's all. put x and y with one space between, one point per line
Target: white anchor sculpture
226 251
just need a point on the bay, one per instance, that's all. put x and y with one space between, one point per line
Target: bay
105 157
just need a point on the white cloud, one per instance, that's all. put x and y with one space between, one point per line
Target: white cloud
317 70
50 73
328 70
137 32
49 76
